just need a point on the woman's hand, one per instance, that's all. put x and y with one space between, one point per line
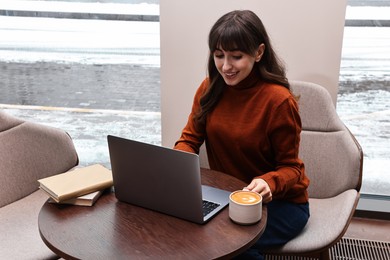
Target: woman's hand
260 186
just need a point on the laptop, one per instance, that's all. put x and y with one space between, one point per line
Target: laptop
163 179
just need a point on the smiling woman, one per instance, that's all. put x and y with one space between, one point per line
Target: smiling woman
246 115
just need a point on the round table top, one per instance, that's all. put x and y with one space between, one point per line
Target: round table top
116 230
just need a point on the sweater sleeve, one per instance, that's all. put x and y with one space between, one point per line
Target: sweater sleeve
193 134
284 133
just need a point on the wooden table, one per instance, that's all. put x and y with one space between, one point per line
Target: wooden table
115 230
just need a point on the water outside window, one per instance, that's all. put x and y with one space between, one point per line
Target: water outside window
363 101
99 77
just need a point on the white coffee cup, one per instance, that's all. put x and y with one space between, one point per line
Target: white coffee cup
245 207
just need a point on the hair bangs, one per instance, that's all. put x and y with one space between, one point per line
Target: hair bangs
231 38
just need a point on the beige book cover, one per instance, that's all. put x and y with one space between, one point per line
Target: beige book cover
77 182
84 200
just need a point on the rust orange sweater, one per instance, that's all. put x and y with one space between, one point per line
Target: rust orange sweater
253 132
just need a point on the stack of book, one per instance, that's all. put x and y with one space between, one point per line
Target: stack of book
82 186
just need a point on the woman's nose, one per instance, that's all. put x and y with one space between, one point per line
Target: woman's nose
226 65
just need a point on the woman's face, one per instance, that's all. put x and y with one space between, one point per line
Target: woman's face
234 66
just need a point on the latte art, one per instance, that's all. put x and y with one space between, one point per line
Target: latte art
246 197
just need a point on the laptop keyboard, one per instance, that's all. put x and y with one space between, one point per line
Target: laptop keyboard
208 206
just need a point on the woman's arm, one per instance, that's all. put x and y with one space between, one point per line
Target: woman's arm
288 178
193 134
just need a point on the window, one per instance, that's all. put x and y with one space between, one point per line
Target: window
92 73
364 96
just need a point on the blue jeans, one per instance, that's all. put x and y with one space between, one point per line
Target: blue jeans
284 222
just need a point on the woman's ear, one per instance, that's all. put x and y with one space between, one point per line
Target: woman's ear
260 52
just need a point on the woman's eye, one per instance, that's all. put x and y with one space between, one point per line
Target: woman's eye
218 56
237 57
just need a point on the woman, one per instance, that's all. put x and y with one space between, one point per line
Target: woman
245 113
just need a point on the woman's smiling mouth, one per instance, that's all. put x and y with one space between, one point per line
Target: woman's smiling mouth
230 75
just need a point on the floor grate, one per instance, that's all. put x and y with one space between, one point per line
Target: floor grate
359 249
274 257
349 249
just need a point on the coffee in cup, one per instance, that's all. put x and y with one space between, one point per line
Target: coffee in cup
245 207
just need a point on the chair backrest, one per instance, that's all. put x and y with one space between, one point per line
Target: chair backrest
333 158
28 152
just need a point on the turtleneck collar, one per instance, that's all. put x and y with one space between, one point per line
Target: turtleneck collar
248 82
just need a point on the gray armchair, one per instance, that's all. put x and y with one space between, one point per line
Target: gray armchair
28 152
334 163
334 160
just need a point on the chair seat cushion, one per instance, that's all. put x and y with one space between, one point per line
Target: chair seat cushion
328 218
20 237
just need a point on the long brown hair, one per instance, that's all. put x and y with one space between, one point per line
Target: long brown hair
244 31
